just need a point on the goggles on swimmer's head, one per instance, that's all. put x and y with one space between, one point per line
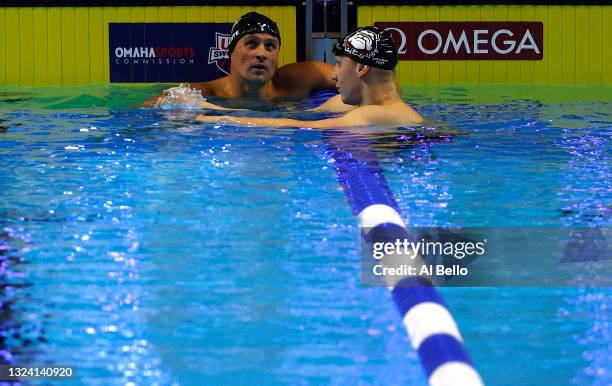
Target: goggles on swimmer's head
371 46
252 23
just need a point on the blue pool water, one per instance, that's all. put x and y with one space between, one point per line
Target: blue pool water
144 251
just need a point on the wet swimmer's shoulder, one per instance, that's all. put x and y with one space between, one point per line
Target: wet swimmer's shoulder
407 112
300 79
214 87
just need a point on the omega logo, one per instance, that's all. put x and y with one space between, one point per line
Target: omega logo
479 38
467 40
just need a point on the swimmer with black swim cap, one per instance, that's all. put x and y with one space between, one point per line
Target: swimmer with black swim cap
252 23
254 47
364 75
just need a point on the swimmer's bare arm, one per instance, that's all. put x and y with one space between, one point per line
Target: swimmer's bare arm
208 105
205 88
323 80
318 76
334 104
298 80
274 122
157 101
361 116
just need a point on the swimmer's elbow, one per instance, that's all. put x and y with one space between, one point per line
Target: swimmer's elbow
151 102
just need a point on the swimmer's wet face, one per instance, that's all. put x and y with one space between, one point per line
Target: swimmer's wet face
347 74
255 57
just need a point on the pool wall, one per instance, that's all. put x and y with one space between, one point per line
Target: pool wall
577 43
49 46
69 45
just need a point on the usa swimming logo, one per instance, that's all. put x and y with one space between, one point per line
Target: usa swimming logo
219 55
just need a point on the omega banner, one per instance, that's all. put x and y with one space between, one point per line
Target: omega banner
168 52
467 40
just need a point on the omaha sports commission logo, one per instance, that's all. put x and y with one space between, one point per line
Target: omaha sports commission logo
219 54
467 40
168 52
155 55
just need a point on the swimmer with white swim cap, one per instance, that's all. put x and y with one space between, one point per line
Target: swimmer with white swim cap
364 75
254 47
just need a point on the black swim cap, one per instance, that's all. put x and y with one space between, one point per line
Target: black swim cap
252 23
371 46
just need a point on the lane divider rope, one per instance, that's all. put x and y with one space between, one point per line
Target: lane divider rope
431 328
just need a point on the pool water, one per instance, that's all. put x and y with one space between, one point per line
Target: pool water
146 251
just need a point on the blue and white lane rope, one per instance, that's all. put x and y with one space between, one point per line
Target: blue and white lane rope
430 325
